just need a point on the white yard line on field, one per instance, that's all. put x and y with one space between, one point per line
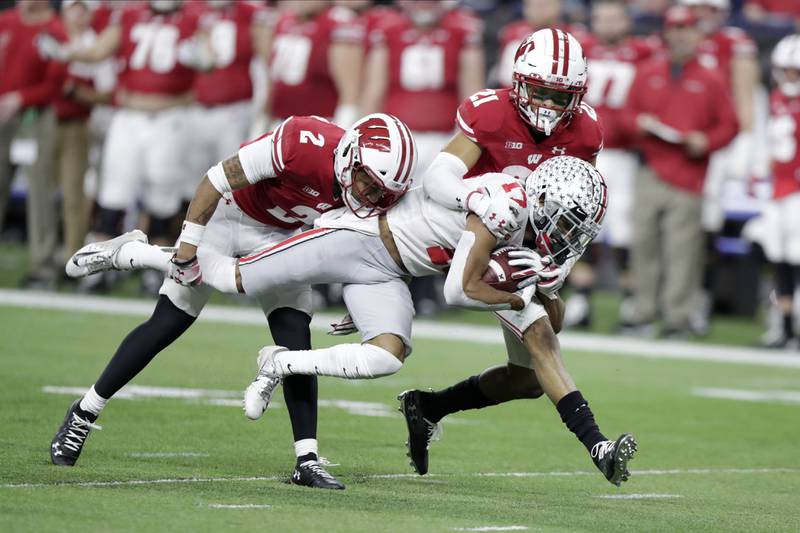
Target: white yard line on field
239 506
492 528
672 472
768 396
423 329
147 455
638 496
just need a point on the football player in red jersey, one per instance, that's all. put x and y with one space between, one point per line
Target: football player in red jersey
144 152
614 56
221 119
514 130
420 66
244 206
777 229
537 14
316 62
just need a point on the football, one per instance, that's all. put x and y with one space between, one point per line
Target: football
498 272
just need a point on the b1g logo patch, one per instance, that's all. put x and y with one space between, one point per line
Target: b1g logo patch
513 145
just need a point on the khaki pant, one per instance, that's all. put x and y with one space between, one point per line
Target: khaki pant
41 212
72 161
667 249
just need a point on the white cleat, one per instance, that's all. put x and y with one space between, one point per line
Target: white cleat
258 394
100 256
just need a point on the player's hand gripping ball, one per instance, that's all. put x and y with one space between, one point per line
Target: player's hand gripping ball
499 273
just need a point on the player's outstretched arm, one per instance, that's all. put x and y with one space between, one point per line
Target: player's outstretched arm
224 177
464 285
443 180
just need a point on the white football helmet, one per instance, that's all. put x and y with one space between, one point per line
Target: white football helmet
382 146
786 56
549 79
568 199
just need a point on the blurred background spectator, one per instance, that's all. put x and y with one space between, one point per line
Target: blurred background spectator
236 67
682 111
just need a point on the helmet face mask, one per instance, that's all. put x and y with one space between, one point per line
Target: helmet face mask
569 197
374 163
549 80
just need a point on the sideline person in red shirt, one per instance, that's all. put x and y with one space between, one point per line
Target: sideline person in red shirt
681 112
28 85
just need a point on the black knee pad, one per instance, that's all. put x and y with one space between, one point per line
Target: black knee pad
784 279
109 221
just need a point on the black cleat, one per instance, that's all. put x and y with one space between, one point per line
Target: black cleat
311 474
421 431
71 436
612 457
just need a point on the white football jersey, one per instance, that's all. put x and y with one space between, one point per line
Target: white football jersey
426 233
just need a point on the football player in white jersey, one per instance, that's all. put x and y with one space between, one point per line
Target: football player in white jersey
565 201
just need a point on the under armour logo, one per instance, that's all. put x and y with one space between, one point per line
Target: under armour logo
559 150
493 216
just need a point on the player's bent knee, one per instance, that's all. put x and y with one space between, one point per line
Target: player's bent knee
540 338
524 382
391 343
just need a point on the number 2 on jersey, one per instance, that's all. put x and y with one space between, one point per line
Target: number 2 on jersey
310 137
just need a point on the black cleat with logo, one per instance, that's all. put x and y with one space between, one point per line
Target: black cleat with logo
421 431
71 436
311 474
612 457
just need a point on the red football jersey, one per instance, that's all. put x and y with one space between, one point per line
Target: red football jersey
778 7
491 119
232 43
423 72
718 49
149 50
611 74
301 80
374 20
512 34
305 185
784 138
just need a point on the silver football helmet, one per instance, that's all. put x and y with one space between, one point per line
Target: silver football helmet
567 202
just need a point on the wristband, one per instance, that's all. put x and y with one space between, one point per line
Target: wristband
191 233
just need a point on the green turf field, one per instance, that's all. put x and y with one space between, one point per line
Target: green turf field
195 463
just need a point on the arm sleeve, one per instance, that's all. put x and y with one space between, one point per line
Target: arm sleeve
453 284
444 183
264 158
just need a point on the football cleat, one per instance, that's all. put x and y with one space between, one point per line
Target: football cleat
100 256
612 457
421 431
312 474
71 436
259 393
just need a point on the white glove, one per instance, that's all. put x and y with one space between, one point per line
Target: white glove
527 294
551 280
185 272
495 213
536 267
51 48
344 327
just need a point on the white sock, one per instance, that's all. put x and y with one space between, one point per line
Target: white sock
305 446
135 255
351 361
219 271
93 402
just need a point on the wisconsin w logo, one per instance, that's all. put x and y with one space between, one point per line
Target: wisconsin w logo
534 159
